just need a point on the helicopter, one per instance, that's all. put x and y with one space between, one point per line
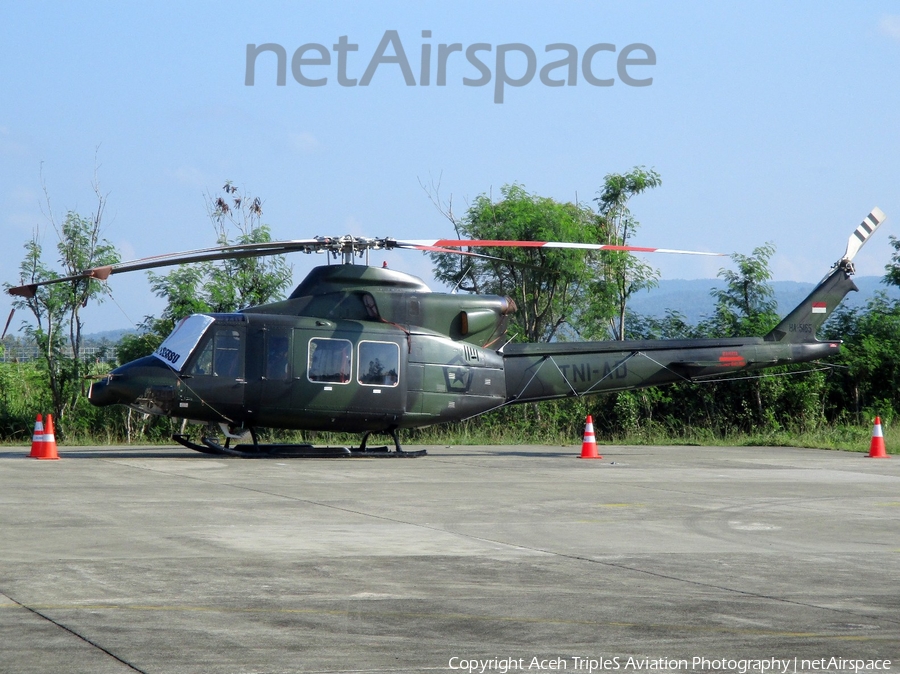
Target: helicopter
372 350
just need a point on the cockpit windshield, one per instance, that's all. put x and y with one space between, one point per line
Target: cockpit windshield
177 346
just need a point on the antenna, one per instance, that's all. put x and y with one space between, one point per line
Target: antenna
461 277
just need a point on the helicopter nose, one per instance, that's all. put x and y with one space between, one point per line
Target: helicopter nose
127 383
103 392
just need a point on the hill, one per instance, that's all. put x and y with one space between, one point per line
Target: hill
692 297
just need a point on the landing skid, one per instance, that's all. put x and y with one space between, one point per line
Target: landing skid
285 451
384 451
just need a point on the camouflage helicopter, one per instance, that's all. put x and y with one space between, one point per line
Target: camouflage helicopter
372 350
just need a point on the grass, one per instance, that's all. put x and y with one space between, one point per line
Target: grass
847 438
842 437
837 437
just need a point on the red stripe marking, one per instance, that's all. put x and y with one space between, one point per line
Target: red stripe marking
732 359
533 244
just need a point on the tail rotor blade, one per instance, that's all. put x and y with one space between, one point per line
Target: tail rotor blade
866 228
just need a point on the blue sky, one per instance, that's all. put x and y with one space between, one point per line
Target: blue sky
767 122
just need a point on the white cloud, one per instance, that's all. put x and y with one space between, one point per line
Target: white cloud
890 26
10 145
304 142
189 175
352 226
126 250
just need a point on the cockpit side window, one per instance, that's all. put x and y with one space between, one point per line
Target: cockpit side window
227 357
203 363
220 355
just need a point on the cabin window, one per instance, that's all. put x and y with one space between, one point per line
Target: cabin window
379 364
278 350
329 360
220 355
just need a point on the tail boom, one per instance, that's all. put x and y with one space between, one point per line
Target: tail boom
547 371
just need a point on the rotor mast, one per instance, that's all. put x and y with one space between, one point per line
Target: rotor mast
349 247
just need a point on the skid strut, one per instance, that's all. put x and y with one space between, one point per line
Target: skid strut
398 451
283 451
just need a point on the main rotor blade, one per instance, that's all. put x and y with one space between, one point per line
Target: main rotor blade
343 245
866 228
8 321
170 259
495 243
407 245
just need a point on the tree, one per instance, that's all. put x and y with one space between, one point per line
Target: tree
248 281
80 247
57 309
547 284
224 286
48 310
673 326
621 274
892 269
746 306
868 379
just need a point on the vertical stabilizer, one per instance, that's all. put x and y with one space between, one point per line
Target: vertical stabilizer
802 324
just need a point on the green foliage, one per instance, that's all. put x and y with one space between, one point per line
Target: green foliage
56 309
182 288
134 346
673 326
790 398
620 274
746 306
227 285
23 390
867 381
547 284
246 281
892 269
559 293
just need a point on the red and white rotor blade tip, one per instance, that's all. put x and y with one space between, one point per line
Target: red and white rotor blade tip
423 244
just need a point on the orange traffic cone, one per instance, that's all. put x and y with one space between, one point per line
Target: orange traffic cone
876 449
43 443
37 440
589 445
50 440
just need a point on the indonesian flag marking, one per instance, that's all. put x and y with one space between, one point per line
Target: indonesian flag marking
819 307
